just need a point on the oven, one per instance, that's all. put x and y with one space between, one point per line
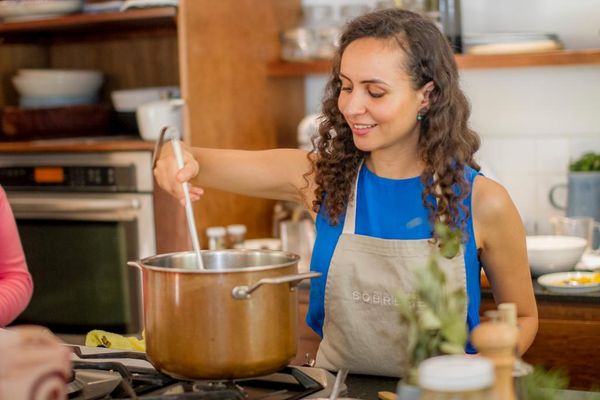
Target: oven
81 217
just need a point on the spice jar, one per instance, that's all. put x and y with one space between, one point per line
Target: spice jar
236 234
216 237
456 377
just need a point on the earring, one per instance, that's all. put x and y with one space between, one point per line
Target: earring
419 117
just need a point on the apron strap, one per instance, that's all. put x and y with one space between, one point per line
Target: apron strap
350 221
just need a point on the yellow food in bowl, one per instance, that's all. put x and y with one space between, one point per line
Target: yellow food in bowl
583 280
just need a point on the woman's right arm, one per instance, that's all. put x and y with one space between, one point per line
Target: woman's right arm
274 174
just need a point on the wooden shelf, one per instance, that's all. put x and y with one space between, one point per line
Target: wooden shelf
131 19
554 58
84 144
549 59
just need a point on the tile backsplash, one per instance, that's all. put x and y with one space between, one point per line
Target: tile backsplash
532 123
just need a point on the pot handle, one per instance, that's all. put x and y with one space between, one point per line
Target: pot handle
134 264
243 292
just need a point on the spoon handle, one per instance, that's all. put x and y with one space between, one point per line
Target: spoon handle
189 211
337 385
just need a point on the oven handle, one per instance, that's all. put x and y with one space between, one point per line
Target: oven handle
73 205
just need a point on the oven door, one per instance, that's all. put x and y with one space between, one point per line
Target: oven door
77 246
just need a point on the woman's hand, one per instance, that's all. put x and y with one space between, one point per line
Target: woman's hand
34 364
170 177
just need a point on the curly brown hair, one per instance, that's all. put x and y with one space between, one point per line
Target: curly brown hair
446 143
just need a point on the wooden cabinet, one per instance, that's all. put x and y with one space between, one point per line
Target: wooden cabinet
568 338
216 52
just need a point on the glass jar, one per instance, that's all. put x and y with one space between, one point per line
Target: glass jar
297 44
216 237
236 235
456 377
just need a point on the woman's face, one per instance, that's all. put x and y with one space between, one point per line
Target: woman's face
377 98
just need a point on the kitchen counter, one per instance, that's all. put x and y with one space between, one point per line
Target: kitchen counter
542 294
366 388
80 145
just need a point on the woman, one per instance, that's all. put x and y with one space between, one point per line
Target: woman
15 281
394 155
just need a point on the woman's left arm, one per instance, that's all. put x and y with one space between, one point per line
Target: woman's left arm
500 238
15 281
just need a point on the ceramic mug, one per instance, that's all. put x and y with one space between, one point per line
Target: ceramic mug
583 195
153 116
583 198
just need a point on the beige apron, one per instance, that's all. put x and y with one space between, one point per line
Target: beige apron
362 330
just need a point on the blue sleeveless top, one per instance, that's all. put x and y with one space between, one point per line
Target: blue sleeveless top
388 209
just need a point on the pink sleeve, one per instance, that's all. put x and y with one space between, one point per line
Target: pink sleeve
15 281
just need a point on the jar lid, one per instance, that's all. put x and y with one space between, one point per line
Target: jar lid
455 373
215 231
238 229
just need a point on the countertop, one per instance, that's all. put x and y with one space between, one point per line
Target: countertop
366 388
80 145
542 294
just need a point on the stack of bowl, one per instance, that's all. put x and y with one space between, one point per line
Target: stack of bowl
127 101
47 88
554 253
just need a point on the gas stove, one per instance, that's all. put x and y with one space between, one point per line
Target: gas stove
100 373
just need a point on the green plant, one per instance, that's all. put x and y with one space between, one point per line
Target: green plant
587 162
543 384
434 313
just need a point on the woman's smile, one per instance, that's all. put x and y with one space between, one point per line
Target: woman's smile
361 129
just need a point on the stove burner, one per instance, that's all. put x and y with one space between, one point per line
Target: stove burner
74 386
204 390
291 383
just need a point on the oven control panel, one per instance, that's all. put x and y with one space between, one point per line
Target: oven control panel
69 178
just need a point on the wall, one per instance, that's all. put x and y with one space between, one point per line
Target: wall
532 121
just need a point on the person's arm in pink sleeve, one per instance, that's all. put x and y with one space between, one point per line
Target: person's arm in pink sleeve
16 285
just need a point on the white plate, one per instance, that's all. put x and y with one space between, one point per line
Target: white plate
15 10
556 282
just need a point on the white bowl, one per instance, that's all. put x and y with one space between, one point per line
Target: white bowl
58 101
18 10
554 253
62 74
62 84
131 99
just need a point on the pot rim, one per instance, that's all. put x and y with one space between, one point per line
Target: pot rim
294 258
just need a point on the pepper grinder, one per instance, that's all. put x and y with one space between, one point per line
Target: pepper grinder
496 341
507 312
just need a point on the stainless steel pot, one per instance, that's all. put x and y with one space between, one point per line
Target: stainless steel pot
234 319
